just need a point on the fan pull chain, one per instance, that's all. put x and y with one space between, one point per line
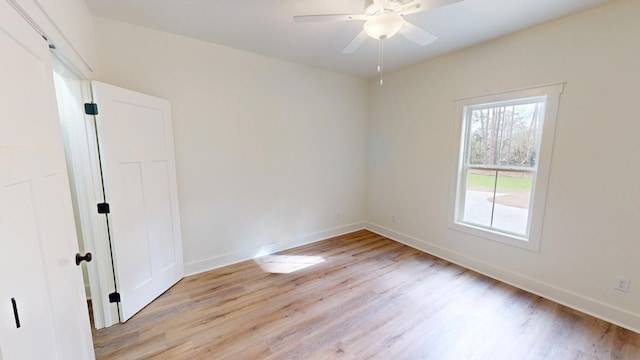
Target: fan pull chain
380 58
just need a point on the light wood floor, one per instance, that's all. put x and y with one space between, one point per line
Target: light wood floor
371 298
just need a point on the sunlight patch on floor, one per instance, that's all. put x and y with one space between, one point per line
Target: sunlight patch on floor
286 264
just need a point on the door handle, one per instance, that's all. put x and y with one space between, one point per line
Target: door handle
79 258
15 312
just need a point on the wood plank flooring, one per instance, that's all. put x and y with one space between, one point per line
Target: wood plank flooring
361 297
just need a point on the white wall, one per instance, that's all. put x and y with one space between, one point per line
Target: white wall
590 232
269 154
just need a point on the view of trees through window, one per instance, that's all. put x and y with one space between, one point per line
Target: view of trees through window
504 135
500 161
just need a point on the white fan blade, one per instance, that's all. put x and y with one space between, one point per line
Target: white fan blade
416 34
355 43
329 17
416 6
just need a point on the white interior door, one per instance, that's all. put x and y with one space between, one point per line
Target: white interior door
136 146
43 313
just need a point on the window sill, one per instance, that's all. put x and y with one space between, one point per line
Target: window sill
504 238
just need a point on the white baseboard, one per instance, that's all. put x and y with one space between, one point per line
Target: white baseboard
239 256
570 299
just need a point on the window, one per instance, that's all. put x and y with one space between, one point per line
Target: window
503 164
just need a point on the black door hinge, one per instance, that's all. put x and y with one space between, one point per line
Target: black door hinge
91 108
114 297
103 208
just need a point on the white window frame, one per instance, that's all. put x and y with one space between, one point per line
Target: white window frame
531 241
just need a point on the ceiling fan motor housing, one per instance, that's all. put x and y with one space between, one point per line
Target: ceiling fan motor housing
383 25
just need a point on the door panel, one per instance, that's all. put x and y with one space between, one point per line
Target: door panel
161 222
136 146
135 227
37 234
18 230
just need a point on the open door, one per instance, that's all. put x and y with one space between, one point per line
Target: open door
42 303
135 139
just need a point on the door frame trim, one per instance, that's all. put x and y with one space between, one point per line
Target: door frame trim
84 168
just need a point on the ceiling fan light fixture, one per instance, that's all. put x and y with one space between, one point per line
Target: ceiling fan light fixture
384 25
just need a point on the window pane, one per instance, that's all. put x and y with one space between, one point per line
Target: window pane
512 202
504 135
500 204
478 204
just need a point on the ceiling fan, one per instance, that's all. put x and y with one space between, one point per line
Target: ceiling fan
383 19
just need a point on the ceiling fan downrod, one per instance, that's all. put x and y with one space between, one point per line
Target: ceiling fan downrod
380 58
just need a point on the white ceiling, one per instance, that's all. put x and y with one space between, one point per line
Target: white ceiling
266 27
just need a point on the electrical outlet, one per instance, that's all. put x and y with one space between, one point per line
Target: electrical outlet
622 284
338 216
393 218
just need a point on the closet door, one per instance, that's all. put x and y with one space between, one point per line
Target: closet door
43 314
